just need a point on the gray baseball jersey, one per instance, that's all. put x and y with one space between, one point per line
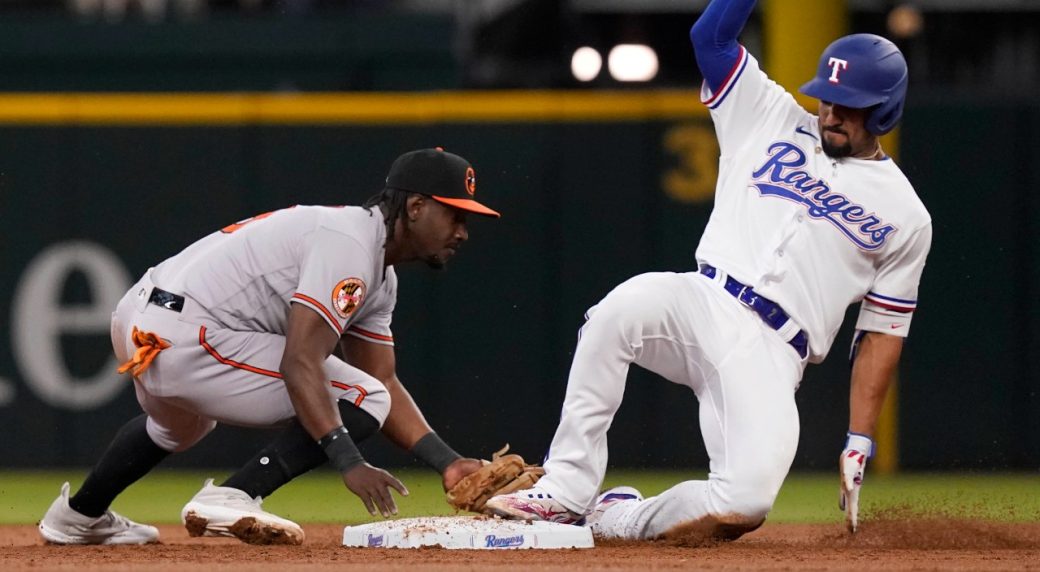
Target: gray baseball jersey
227 342
329 259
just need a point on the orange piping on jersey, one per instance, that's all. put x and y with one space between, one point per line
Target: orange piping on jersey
232 363
369 334
362 394
321 307
233 227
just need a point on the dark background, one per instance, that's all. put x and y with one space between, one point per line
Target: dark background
484 347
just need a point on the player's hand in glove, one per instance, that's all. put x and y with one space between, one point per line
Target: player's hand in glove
851 464
501 475
459 469
373 486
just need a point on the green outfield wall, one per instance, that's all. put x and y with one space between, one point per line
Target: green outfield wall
594 188
365 51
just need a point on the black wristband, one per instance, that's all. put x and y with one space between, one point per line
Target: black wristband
433 451
342 452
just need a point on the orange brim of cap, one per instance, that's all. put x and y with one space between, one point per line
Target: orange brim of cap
467 205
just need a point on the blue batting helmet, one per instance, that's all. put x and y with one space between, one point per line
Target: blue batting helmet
861 71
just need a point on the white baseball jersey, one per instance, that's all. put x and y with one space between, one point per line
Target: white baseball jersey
811 233
330 259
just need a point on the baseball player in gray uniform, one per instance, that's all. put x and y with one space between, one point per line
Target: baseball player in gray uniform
810 216
282 319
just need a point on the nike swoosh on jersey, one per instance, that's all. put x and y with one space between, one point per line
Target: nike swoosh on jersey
896 326
804 132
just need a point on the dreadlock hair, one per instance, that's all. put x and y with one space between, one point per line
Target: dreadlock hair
393 203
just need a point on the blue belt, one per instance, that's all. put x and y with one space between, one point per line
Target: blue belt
770 312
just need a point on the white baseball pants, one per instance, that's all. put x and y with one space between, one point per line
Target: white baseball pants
214 375
689 330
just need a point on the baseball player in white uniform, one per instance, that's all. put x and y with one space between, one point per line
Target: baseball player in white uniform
810 216
282 319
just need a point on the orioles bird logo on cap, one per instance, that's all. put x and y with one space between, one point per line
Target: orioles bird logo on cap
471 181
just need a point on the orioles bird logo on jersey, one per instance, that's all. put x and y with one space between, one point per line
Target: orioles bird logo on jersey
347 296
471 181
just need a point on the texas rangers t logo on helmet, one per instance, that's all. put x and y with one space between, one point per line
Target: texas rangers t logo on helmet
836 65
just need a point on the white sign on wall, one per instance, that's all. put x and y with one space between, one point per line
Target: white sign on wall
39 319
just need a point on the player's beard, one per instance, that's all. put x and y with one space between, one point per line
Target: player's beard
435 262
836 151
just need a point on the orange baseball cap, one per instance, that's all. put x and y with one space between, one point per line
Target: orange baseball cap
445 177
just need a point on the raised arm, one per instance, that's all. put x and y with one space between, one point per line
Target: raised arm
714 37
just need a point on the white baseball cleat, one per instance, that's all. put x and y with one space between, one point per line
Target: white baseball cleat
62 525
226 511
608 499
531 504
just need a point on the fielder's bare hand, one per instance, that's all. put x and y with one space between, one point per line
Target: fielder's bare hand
851 464
458 469
373 485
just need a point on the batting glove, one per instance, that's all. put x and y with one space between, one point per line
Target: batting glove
853 461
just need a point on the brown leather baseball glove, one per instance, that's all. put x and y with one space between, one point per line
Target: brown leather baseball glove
501 475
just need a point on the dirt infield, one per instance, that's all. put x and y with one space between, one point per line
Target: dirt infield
890 544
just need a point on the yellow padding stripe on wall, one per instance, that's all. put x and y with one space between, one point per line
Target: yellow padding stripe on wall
346 108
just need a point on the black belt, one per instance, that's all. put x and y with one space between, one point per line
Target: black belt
167 300
770 312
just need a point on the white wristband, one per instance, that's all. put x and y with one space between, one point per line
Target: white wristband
860 443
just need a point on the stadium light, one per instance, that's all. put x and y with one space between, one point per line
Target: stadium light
905 21
632 62
586 63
